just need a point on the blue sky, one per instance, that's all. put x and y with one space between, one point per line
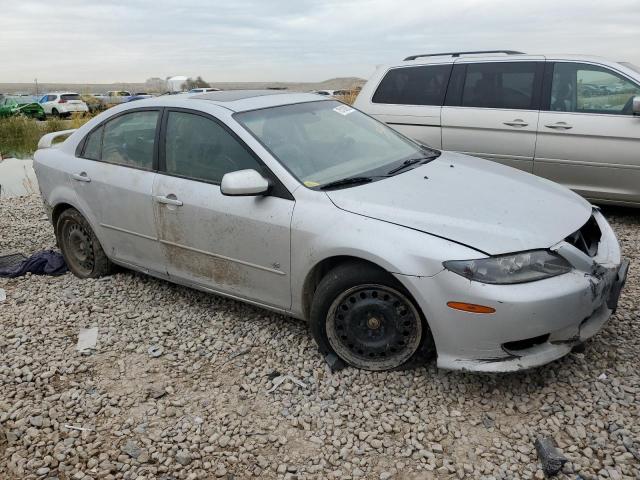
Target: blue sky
102 41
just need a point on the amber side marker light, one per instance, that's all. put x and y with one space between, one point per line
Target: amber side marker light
470 307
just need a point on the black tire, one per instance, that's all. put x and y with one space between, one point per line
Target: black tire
80 246
55 112
367 318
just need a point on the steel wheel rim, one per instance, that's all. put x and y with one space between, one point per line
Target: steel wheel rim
374 327
79 248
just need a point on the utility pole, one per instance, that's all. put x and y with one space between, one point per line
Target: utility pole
36 80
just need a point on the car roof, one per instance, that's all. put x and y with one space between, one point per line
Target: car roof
234 100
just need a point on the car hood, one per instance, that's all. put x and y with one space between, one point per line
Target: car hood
490 207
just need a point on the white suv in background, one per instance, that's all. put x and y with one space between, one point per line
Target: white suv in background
572 119
62 104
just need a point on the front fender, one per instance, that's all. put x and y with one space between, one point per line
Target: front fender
320 232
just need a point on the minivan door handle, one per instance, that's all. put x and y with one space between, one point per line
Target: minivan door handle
81 177
516 123
168 200
560 126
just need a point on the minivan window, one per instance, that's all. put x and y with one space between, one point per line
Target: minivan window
129 139
423 85
584 88
199 148
507 85
93 145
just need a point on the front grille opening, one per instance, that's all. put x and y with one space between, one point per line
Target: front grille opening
587 238
526 343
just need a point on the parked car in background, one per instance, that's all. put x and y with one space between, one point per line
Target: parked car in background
325 93
572 119
114 97
394 252
204 90
21 105
62 104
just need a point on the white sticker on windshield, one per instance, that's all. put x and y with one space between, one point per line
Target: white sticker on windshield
343 109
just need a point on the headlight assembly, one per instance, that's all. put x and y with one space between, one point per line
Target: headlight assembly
513 268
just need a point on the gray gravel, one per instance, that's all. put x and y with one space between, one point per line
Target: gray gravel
200 409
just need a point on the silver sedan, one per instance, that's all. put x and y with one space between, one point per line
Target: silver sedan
392 251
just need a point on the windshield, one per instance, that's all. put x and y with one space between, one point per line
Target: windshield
324 141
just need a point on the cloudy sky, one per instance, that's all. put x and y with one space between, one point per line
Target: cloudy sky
103 41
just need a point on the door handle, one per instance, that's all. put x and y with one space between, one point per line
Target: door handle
168 200
81 177
559 126
516 123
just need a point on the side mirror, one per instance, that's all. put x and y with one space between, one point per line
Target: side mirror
635 106
243 183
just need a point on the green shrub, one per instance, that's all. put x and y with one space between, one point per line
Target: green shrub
19 135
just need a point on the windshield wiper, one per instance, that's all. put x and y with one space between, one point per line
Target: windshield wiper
346 181
409 162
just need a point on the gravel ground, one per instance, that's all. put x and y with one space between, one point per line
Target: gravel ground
201 409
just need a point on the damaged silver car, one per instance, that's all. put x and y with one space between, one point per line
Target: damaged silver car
393 252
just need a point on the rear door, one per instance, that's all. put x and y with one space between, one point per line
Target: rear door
239 246
409 99
588 137
113 177
491 111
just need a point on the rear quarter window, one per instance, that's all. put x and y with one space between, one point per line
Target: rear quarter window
422 85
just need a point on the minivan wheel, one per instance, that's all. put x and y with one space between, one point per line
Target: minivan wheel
80 247
366 317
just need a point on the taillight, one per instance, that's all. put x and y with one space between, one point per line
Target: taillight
62 100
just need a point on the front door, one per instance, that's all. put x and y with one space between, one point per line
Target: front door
235 245
588 137
113 178
492 111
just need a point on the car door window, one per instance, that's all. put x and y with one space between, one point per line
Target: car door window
509 85
584 88
129 139
198 147
424 85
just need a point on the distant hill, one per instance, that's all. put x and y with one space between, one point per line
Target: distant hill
331 84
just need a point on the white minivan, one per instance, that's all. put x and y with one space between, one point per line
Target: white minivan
572 119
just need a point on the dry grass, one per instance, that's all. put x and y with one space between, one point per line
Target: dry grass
350 98
19 135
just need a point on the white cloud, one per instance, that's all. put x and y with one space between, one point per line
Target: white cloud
304 40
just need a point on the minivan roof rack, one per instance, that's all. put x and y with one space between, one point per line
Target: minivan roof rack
457 54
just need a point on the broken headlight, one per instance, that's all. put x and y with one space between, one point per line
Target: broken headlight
514 268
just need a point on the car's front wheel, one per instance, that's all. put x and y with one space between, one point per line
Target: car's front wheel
80 247
368 319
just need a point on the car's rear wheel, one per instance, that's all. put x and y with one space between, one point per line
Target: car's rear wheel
80 246
55 112
368 319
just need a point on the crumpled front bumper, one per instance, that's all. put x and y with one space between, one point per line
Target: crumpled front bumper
534 323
